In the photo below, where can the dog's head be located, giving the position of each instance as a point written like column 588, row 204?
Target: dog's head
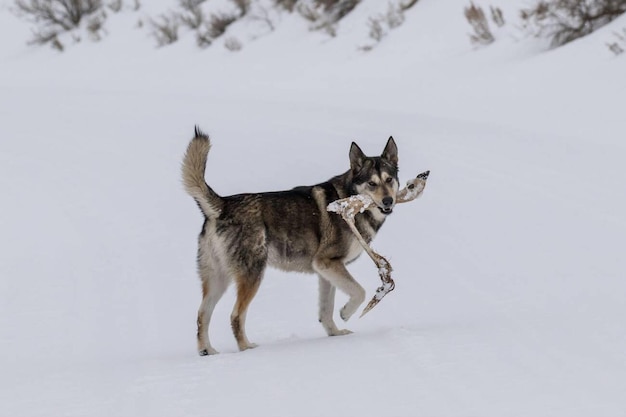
column 376, row 176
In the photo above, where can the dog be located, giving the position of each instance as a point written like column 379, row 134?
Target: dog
column 290, row 230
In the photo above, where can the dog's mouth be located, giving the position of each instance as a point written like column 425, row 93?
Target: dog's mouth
column 386, row 210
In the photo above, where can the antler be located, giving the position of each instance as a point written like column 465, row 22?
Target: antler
column 349, row 207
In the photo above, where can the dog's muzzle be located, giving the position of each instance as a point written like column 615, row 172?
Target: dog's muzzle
column 387, row 207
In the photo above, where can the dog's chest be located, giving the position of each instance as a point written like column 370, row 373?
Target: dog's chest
column 354, row 248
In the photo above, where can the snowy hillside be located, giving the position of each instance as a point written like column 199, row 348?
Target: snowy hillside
column 510, row 270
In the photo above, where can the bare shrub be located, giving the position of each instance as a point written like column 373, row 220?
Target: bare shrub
column 566, row 20
column 408, row 4
column 243, row 6
column 308, row 12
column 56, row 44
column 376, row 29
column 95, row 26
column 190, row 4
column 136, row 5
column 497, row 16
column 218, row 23
column 232, row 44
column 261, row 14
column 288, row 5
column 203, row 36
column 66, row 14
column 53, row 17
column 326, row 13
column 330, row 29
column 394, row 16
column 476, row 17
column 165, row 30
column 335, row 10
column 44, row 38
column 382, row 23
column 192, row 17
column 115, row 5
column 617, row 47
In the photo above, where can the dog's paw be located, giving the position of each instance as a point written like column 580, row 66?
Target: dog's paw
column 207, row 351
column 340, row 332
column 346, row 312
column 248, row 346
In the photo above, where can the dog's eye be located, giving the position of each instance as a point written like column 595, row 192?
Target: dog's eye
column 371, row 184
column 389, row 180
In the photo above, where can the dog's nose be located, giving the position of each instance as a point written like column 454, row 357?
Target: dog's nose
column 387, row 201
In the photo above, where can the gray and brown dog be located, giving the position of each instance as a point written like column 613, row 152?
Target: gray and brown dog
column 290, row 230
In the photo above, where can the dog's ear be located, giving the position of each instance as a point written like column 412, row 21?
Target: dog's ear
column 356, row 157
column 391, row 151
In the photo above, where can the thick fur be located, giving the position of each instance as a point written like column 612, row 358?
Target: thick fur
column 290, row 230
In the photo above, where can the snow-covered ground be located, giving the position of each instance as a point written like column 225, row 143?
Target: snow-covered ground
column 510, row 270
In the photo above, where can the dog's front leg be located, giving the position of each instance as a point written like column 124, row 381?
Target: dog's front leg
column 335, row 272
column 327, row 307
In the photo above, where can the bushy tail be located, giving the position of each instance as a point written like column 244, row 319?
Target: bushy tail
column 194, row 164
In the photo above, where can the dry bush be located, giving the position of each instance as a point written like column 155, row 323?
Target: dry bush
column 243, row 6
column 566, row 20
column 497, row 16
column 115, row 5
column 66, row 14
column 192, row 15
column 618, row 46
column 190, row 4
column 232, row 44
column 408, row 4
column 95, row 26
column 381, row 24
column 203, row 37
column 165, row 31
column 218, row 23
column 55, row 44
column 376, row 29
column 615, row 47
column 288, row 5
column 394, row 16
column 192, row 18
column 325, row 13
column 330, row 29
column 476, row 17
column 261, row 14
column 308, row 12
column 53, row 17
column 335, row 10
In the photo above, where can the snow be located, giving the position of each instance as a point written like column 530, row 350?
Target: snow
column 509, row 270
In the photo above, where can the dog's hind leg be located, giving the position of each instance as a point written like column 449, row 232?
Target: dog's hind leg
column 335, row 272
column 247, row 287
column 327, row 307
column 213, row 288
